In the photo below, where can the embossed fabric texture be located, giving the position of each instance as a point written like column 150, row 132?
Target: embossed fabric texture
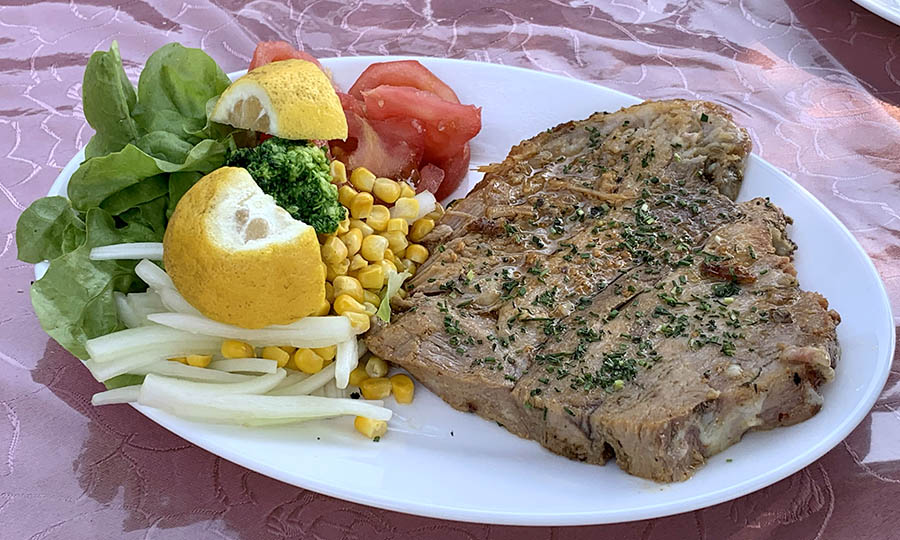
column 817, row 83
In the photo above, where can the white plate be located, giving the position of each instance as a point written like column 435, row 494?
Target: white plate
column 438, row 462
column 886, row 9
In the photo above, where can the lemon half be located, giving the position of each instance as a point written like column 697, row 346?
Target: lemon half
column 292, row 99
column 238, row 257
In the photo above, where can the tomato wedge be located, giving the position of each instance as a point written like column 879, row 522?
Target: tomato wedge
column 402, row 73
column 273, row 51
column 392, row 148
column 430, row 178
column 448, row 126
column 455, row 168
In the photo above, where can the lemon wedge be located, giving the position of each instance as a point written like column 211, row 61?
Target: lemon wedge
column 238, row 257
column 291, row 99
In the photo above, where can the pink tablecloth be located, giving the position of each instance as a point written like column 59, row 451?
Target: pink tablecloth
column 816, row 82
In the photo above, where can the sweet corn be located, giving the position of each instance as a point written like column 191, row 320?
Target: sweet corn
column 277, row 354
column 362, row 179
column 288, row 349
column 386, row 189
column 348, row 285
column 371, row 309
column 357, row 263
column 358, row 375
column 324, row 309
column 373, row 247
column 406, row 190
column 396, row 240
column 307, row 361
column 417, row 253
column 362, row 226
column 398, row 225
column 388, row 266
column 338, row 172
column 420, row 229
column 406, row 208
column 346, row 194
column 371, row 297
column 344, row 225
column 437, row 213
column 379, row 218
column 198, row 360
column 179, row 359
column 389, row 255
column 360, row 322
column 370, row 428
column 232, row 348
column 403, row 388
column 375, row 388
column 333, row 250
column 327, row 353
column 352, row 240
column 376, row 367
column 372, row 276
column 345, row 303
column 361, row 205
column 334, row 270
column 329, row 292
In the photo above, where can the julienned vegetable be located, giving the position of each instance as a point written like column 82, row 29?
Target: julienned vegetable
column 297, row 176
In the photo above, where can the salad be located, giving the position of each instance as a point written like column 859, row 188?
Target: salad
column 225, row 245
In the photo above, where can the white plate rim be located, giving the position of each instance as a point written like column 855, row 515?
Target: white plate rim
column 878, row 7
column 649, row 511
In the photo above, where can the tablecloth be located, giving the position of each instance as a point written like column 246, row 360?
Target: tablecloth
column 816, row 82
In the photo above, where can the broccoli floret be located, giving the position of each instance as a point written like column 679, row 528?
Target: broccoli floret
column 297, row 175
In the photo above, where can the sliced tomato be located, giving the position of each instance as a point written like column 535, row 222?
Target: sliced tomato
column 448, row 126
column 273, row 51
column 430, row 178
column 392, row 148
column 455, row 169
column 402, row 73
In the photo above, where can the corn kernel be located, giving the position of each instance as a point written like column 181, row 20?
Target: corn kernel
column 288, row 349
column 376, row 367
column 421, row 228
column 333, row 250
column 371, row 297
column 399, row 225
column 409, row 266
column 324, row 309
column 198, row 360
column 179, row 359
column 388, row 266
column 352, row 240
column 375, row 388
column 406, row 208
column 437, row 213
column 345, row 303
column 379, row 218
column 403, row 388
column 362, row 179
column 370, row 428
column 348, row 285
column 358, row 375
column 344, row 225
column 361, row 205
column 417, row 253
column 275, row 353
column 334, row 270
column 307, row 361
column 371, row 309
column 357, row 263
column 396, row 240
column 346, row 194
column 406, row 190
column 329, row 292
column 232, row 348
column 386, row 189
column 371, row 277
column 360, row 322
column 327, row 353
column 338, row 172
column 373, row 247
column 362, row 226
column 389, row 255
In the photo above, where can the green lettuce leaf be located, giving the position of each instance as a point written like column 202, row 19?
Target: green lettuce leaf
column 144, row 191
column 47, row 229
column 179, row 183
column 109, row 99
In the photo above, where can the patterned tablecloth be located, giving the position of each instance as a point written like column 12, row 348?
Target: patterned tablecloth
column 817, row 82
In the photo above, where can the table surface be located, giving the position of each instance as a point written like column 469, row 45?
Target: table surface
column 817, row 83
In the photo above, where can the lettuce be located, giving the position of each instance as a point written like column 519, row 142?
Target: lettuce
column 151, row 145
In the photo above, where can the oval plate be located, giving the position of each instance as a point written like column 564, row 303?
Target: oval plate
column 439, row 462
